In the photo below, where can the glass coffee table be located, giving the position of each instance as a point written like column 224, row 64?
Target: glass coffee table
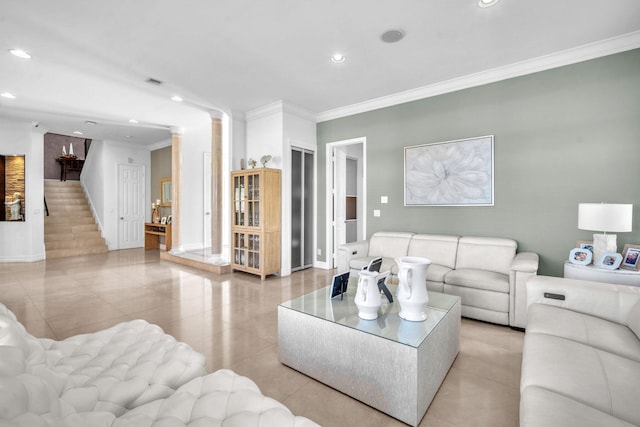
column 391, row 364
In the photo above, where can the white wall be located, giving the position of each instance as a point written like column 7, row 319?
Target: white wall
column 273, row 130
column 238, row 145
column 24, row 241
column 93, row 182
column 195, row 142
column 100, row 179
column 265, row 135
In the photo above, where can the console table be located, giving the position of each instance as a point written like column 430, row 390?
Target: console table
column 152, row 233
column 391, row 364
column 596, row 274
column 69, row 164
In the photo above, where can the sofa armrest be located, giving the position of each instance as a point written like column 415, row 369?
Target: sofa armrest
column 604, row 300
column 523, row 267
column 526, row 262
column 348, row 251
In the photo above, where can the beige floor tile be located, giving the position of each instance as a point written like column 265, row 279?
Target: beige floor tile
column 232, row 320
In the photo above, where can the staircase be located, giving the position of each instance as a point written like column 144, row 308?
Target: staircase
column 70, row 229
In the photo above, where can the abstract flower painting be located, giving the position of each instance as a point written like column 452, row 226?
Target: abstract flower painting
column 452, row 173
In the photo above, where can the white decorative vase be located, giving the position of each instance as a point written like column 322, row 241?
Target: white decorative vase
column 412, row 288
column 368, row 296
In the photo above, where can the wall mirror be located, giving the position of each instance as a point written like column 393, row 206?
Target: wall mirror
column 165, row 191
column 12, row 187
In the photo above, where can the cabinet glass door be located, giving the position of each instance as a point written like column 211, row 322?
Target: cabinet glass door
column 253, row 200
column 238, row 201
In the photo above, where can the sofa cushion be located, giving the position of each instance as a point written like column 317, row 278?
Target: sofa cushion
column 436, row 272
column 481, row 298
column 590, row 330
column 596, row 378
column 486, row 253
column 389, row 244
column 634, row 319
column 440, row 249
column 541, row 407
column 478, row 279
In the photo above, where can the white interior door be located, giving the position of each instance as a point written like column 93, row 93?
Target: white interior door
column 336, row 184
column 131, row 196
column 339, row 199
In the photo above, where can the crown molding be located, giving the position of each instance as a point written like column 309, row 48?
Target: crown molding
column 160, row 144
column 566, row 57
column 279, row 107
column 264, row 111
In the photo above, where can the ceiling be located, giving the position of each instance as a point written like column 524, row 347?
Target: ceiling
column 90, row 60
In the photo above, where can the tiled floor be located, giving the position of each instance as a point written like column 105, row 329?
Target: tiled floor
column 232, row 319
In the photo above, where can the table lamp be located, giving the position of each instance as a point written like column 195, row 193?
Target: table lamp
column 605, row 217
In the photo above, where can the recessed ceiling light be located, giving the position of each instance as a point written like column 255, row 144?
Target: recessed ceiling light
column 487, row 3
column 176, row 98
column 77, row 132
column 392, row 36
column 338, row 58
column 20, row 53
column 133, row 121
column 7, row 95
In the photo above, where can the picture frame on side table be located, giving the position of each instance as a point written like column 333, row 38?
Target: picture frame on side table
column 580, row 256
column 631, row 257
column 585, row 244
column 163, row 220
column 609, row 260
column 169, row 219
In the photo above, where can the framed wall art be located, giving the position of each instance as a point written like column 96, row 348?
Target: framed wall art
column 451, row 173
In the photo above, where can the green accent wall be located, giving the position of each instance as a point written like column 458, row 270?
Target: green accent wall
column 563, row 136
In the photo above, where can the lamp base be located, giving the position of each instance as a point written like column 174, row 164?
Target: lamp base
column 603, row 243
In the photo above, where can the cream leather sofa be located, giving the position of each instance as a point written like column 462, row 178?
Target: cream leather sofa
column 485, row 271
column 581, row 356
column 130, row 375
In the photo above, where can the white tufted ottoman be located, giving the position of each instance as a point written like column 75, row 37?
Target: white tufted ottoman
column 132, row 374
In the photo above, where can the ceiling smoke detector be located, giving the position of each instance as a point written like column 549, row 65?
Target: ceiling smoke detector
column 392, row 36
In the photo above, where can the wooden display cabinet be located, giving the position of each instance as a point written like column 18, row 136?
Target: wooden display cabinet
column 256, row 221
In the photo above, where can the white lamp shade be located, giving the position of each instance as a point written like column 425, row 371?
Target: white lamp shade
column 605, row 217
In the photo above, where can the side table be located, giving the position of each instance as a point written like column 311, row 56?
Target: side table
column 152, row 234
column 596, row 274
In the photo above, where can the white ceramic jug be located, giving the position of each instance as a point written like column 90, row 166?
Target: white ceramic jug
column 367, row 295
column 412, row 288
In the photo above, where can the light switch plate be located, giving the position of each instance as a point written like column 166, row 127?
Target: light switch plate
column 376, row 212
column 384, row 199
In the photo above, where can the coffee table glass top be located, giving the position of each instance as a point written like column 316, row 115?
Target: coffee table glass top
column 388, row 324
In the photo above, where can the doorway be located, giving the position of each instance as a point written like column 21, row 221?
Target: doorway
column 131, row 197
column 302, row 208
column 346, row 162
